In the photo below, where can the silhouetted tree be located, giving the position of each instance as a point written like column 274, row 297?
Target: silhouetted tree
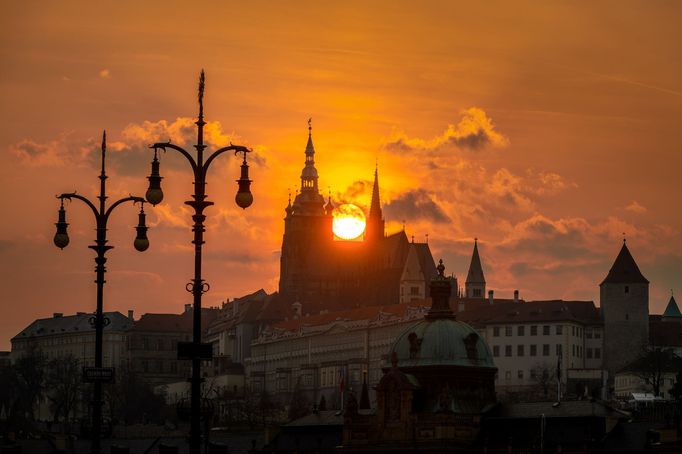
column 300, row 404
column 29, row 382
column 132, row 400
column 64, row 384
column 653, row 365
column 544, row 376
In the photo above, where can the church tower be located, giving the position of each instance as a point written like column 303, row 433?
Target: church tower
column 475, row 283
column 624, row 304
column 307, row 230
column 375, row 221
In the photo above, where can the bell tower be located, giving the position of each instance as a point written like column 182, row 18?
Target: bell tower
column 307, row 231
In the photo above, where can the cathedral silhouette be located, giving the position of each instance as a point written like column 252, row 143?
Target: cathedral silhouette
column 320, row 272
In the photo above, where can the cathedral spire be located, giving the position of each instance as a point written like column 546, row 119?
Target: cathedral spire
column 375, row 221
column 309, row 173
column 475, row 283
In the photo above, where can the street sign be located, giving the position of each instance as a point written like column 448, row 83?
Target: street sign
column 190, row 350
column 98, row 374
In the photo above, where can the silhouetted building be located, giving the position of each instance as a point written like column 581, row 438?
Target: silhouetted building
column 322, row 273
column 74, row 335
column 153, row 345
column 440, row 383
column 475, row 283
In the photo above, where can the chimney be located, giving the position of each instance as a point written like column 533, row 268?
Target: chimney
column 235, row 307
column 298, row 309
column 516, row 296
column 490, row 296
column 188, row 307
column 57, row 315
column 130, row 315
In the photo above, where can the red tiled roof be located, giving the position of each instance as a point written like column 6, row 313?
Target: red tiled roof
column 531, row 311
column 173, row 322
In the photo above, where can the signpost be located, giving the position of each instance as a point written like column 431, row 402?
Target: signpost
column 98, row 374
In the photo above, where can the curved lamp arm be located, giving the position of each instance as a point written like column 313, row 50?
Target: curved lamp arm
column 73, row 195
column 164, row 145
column 236, row 148
column 123, row 200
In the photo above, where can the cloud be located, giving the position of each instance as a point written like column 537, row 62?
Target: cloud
column 354, row 191
column 414, row 205
column 61, row 151
column 636, row 208
column 474, row 131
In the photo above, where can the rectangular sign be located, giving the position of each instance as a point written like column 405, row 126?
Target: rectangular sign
column 190, row 350
column 98, row 374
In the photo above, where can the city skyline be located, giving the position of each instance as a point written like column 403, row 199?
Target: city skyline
column 547, row 137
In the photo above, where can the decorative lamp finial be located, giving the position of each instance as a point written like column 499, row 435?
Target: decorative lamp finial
column 441, row 269
column 310, row 126
column 202, row 83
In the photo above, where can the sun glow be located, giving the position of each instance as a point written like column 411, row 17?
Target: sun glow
column 349, row 221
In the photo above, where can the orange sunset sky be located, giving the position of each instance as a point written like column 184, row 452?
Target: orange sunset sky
column 545, row 129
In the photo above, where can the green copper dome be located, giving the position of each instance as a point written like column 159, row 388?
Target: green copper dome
column 441, row 342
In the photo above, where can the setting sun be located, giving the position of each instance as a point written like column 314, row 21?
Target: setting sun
column 349, row 221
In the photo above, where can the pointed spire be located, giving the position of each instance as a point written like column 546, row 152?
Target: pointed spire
column 375, row 221
column 672, row 310
column 309, row 173
column 329, row 207
column 475, row 275
column 625, row 269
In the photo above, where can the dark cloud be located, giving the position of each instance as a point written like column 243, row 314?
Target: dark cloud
column 414, row 205
column 355, row 190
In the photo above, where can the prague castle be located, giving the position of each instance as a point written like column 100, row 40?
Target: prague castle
column 321, row 272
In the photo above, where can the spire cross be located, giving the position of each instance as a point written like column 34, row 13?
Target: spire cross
column 310, row 125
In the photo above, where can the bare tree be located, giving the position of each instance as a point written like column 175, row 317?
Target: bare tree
column 63, row 386
column 653, row 365
column 544, row 375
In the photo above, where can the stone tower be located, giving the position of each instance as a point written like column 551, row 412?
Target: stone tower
column 475, row 283
column 624, row 302
column 307, row 231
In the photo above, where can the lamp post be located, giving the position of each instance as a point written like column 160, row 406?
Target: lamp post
column 195, row 350
column 98, row 374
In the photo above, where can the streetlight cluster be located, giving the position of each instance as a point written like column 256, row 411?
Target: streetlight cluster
column 195, row 350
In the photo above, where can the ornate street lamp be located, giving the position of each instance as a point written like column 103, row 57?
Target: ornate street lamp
column 98, row 374
column 195, row 350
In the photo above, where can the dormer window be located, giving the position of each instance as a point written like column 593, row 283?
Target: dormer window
column 477, row 292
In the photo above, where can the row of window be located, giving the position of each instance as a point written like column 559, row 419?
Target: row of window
column 546, row 331
column 533, row 351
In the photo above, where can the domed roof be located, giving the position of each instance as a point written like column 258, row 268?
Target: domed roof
column 441, row 342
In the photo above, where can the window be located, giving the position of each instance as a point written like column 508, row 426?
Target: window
column 574, row 350
column 589, row 353
column 627, row 316
column 477, row 292
column 597, row 353
column 533, row 350
column 627, row 289
column 508, row 331
column 588, row 333
column 573, row 330
column 558, row 349
column 496, row 350
column 559, row 329
column 507, row 375
column 520, row 331
column 597, row 334
column 414, row 290
column 507, row 350
column 519, row 350
column 545, row 330
column 496, row 331
column 533, row 374
column 545, row 349
column 520, row 374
